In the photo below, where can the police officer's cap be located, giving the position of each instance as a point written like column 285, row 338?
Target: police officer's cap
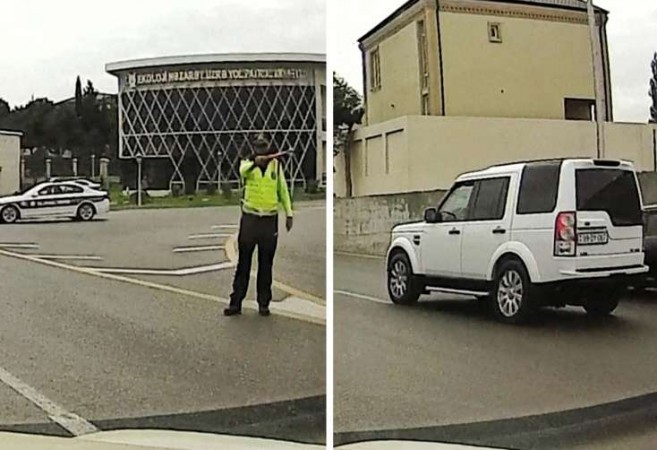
column 261, row 142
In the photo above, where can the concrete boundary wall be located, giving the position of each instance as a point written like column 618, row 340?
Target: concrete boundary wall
column 426, row 153
column 362, row 225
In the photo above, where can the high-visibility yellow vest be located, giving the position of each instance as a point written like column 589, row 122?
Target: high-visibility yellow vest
column 263, row 192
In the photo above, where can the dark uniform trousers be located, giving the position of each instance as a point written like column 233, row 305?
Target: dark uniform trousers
column 262, row 232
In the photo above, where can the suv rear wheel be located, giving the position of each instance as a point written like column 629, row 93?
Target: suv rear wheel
column 403, row 286
column 511, row 295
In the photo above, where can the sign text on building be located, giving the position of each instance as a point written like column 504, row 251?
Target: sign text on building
column 181, row 76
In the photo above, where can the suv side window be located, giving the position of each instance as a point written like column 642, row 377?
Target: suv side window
column 539, row 187
column 490, row 199
column 455, row 207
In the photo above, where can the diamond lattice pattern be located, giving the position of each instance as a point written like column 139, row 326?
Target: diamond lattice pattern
column 214, row 126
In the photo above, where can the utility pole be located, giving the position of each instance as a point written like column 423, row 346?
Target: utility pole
column 598, row 80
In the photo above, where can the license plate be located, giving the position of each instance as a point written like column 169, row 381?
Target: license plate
column 593, row 238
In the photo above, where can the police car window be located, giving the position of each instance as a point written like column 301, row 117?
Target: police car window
column 46, row 191
column 70, row 189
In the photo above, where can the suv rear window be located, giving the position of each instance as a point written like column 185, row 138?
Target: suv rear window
column 539, row 187
column 611, row 190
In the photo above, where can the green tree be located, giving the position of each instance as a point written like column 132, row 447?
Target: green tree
column 78, row 96
column 4, row 109
column 653, row 90
column 347, row 113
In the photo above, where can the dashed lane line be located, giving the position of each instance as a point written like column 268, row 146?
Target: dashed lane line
column 75, row 424
column 201, row 248
column 155, row 286
column 224, row 227
column 208, row 236
column 19, row 245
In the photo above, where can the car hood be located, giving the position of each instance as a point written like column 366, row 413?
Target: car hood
column 184, row 440
column 146, row 440
column 411, row 227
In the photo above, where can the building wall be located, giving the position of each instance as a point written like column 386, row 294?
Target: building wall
column 420, row 153
column 529, row 74
column 544, row 58
column 399, row 94
column 9, row 163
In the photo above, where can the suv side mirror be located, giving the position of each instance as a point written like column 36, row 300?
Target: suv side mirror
column 431, row 215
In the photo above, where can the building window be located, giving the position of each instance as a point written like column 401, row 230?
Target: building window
column 375, row 70
column 494, row 32
column 423, row 66
column 425, row 104
column 579, row 109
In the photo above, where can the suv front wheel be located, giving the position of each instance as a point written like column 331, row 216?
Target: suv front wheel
column 511, row 293
column 403, row 286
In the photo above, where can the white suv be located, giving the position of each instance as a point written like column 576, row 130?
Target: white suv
column 521, row 236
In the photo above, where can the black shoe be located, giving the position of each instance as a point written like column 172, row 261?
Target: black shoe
column 230, row 311
column 264, row 311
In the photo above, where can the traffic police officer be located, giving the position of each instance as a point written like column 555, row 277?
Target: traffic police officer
column 265, row 189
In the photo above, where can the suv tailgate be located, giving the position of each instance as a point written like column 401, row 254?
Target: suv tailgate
column 609, row 215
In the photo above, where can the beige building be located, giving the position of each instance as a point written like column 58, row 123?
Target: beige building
column 484, row 58
column 10, row 160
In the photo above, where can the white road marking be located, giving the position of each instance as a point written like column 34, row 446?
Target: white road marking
column 19, row 245
column 359, row 255
column 70, row 421
column 70, row 257
column 204, row 248
column 151, row 285
column 224, row 227
column 230, row 248
column 296, row 305
column 361, row 296
column 208, row 236
column 165, row 272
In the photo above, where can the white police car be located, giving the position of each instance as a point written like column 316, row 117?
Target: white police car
column 49, row 200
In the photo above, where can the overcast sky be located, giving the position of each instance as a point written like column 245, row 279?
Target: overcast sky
column 45, row 44
column 632, row 34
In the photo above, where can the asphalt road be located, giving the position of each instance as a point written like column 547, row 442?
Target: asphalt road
column 123, row 355
column 147, row 240
column 444, row 370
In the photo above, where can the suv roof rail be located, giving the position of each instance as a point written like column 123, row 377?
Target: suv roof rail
column 532, row 161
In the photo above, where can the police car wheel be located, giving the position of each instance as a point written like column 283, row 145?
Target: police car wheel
column 86, row 212
column 9, row 214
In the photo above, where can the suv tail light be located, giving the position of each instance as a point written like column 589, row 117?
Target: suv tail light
column 565, row 234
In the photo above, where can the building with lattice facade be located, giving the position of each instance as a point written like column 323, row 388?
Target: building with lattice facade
column 191, row 118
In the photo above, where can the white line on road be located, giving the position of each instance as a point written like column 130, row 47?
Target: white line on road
column 208, row 236
column 70, row 421
column 300, row 306
column 224, row 227
column 203, row 248
column 151, row 285
column 361, row 296
column 19, row 245
column 70, row 257
column 165, row 272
